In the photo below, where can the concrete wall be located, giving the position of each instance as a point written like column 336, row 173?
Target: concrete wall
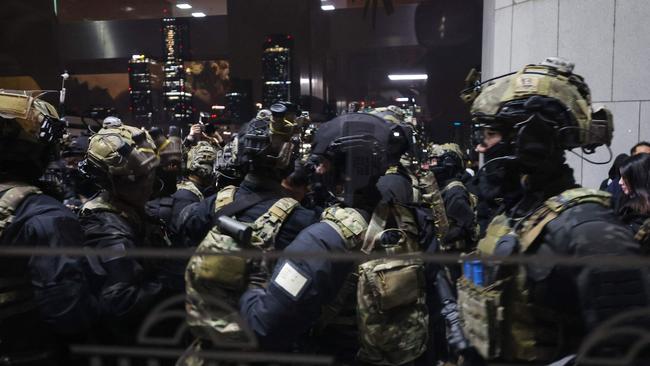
column 607, row 39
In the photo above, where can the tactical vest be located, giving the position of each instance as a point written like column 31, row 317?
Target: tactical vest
column 473, row 202
column 432, row 197
column 392, row 318
column 499, row 318
column 16, row 296
column 214, row 283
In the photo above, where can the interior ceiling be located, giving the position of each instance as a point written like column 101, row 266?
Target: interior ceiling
column 79, row 10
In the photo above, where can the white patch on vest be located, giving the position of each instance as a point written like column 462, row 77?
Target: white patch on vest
column 290, row 280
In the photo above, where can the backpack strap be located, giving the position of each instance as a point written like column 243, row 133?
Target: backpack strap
column 190, row 186
column 14, row 195
column 348, row 223
column 268, row 226
column 533, row 226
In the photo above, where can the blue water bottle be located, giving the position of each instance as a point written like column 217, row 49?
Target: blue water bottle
column 467, row 270
column 477, row 273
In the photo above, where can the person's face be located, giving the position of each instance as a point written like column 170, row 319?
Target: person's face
column 642, row 150
column 624, row 186
column 490, row 138
column 323, row 167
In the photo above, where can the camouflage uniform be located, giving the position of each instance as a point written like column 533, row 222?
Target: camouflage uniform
column 541, row 312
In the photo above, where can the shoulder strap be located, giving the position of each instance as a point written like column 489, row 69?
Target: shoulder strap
column 268, row 226
column 225, row 197
column 190, row 186
column 235, row 206
column 577, row 196
column 12, row 198
column 454, row 184
column 375, row 227
column 533, row 226
column 98, row 203
column 347, row 222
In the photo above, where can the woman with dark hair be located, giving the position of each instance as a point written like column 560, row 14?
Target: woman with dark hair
column 635, row 183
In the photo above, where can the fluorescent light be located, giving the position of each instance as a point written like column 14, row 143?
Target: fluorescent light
column 407, row 77
column 327, row 7
column 402, row 99
column 198, row 15
column 218, row 107
column 304, row 80
column 184, row 6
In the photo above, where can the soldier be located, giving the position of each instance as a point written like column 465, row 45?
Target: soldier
column 197, row 184
column 43, row 298
column 170, row 168
column 316, row 296
column 398, row 183
column 261, row 207
column 262, row 174
column 496, row 184
column 122, row 160
column 548, row 309
column 448, row 167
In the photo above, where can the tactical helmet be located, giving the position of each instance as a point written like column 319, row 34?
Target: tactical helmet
column 355, row 144
column 30, row 131
column 111, row 121
column 449, row 161
column 263, row 114
column 121, row 151
column 267, row 146
column 200, row 160
column 390, row 113
column 169, row 148
column 550, row 92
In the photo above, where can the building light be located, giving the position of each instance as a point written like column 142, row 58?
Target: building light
column 396, row 77
column 402, row 99
column 198, row 14
column 328, row 7
column 184, row 6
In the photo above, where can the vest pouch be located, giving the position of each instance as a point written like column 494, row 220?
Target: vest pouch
column 482, row 311
column 391, row 311
column 395, row 283
column 214, row 270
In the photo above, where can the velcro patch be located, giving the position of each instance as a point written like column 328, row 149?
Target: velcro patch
column 291, row 280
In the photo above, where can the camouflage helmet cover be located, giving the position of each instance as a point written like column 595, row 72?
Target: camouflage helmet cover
column 448, row 148
column 27, row 111
column 552, row 79
column 201, row 158
column 123, row 151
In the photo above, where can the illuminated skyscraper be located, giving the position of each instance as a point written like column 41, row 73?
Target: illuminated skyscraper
column 276, row 69
column 140, row 90
column 177, row 102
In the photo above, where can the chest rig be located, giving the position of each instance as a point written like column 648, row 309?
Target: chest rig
column 499, row 315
